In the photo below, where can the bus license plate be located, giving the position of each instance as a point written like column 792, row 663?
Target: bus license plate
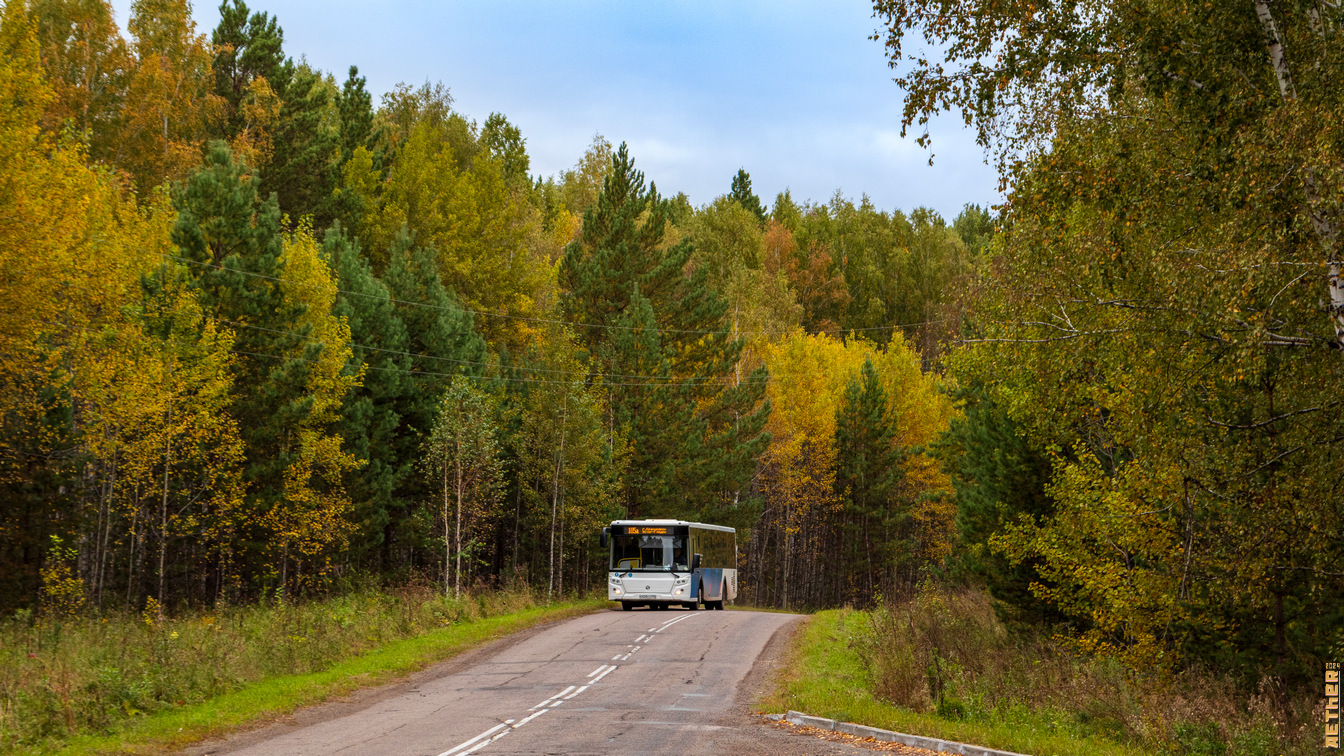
column 648, row 595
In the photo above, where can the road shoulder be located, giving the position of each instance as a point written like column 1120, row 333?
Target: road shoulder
column 267, row 728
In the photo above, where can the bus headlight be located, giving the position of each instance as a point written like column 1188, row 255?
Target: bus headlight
column 616, row 590
column 679, row 590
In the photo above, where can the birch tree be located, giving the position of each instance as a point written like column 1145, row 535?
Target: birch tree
column 1162, row 309
column 462, row 456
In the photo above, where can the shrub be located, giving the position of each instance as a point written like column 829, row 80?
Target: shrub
column 947, row 652
column 90, row 672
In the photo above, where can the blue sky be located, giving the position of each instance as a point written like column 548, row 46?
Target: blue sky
column 792, row 91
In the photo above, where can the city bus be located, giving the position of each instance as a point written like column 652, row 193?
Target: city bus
column 666, row 563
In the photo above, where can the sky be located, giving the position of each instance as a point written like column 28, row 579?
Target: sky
column 794, row 92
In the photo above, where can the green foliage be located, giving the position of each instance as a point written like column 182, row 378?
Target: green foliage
column 564, row 466
column 741, row 194
column 232, row 240
column 304, row 165
column 462, row 456
column 1164, row 315
column 440, row 342
column 503, row 141
column 1000, row 477
column 246, row 47
column 868, row 466
column 841, row 657
column 188, row 675
column 371, row 422
column 660, row 340
column 355, row 105
column 975, row 226
column 730, row 248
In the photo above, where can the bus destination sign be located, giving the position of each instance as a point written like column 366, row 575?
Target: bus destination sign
column 645, row 530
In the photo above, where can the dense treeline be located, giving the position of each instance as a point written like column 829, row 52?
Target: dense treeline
column 1151, row 447
column 262, row 337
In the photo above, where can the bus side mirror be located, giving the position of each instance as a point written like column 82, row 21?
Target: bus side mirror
column 606, row 532
column 695, row 562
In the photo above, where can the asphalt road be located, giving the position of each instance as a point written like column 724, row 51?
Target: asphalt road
column 642, row 682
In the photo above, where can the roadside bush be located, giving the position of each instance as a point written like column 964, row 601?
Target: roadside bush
column 88, row 673
column 946, row 652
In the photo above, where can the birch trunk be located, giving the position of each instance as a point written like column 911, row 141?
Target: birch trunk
column 163, row 505
column 1327, row 232
column 447, row 541
column 457, row 540
column 555, row 496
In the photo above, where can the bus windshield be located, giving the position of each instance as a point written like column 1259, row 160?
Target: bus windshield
column 649, row 553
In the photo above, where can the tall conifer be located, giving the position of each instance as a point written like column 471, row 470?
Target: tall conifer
column 741, row 194
column 232, row 239
column 304, row 165
column 440, row 341
column 371, row 422
column 357, row 122
column 695, row 438
column 868, row 467
column 247, row 45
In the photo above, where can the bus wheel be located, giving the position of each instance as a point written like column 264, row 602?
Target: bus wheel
column 692, row 605
column 626, row 606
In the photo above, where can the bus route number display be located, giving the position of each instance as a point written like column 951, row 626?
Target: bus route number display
column 1332, row 705
column 645, row 531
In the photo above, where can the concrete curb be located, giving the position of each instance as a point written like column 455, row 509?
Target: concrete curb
column 887, row 736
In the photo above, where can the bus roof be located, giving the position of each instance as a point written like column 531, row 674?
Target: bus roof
column 615, row 523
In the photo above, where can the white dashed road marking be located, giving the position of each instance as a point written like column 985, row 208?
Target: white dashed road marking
column 509, row 725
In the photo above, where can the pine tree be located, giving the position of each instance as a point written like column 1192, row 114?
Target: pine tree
column 357, row 122
column 440, row 342
column 232, row 242
column 246, row 47
column 1000, row 476
column 371, row 423
column 868, row 466
column 695, row 439
column 741, row 194
column 653, row 412
column 304, row 170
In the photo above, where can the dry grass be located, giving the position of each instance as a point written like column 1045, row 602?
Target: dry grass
column 946, row 652
column 92, row 674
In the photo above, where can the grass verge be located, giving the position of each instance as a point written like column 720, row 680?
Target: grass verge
column 826, row 676
column 346, row 667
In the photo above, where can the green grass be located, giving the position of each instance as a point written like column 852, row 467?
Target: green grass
column 826, row 676
column 339, row 669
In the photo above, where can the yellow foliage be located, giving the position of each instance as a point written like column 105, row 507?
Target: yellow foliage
column 311, row 523
column 169, row 103
column 809, row 373
column 62, row 590
column 261, row 114
column 309, row 280
column 492, row 254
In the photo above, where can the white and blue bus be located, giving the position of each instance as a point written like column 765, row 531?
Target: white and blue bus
column 663, row 563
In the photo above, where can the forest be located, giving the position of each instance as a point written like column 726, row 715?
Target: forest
column 264, row 339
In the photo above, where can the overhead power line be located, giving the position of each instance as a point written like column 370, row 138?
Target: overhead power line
column 653, row 381
column 544, row 321
column 484, row 363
